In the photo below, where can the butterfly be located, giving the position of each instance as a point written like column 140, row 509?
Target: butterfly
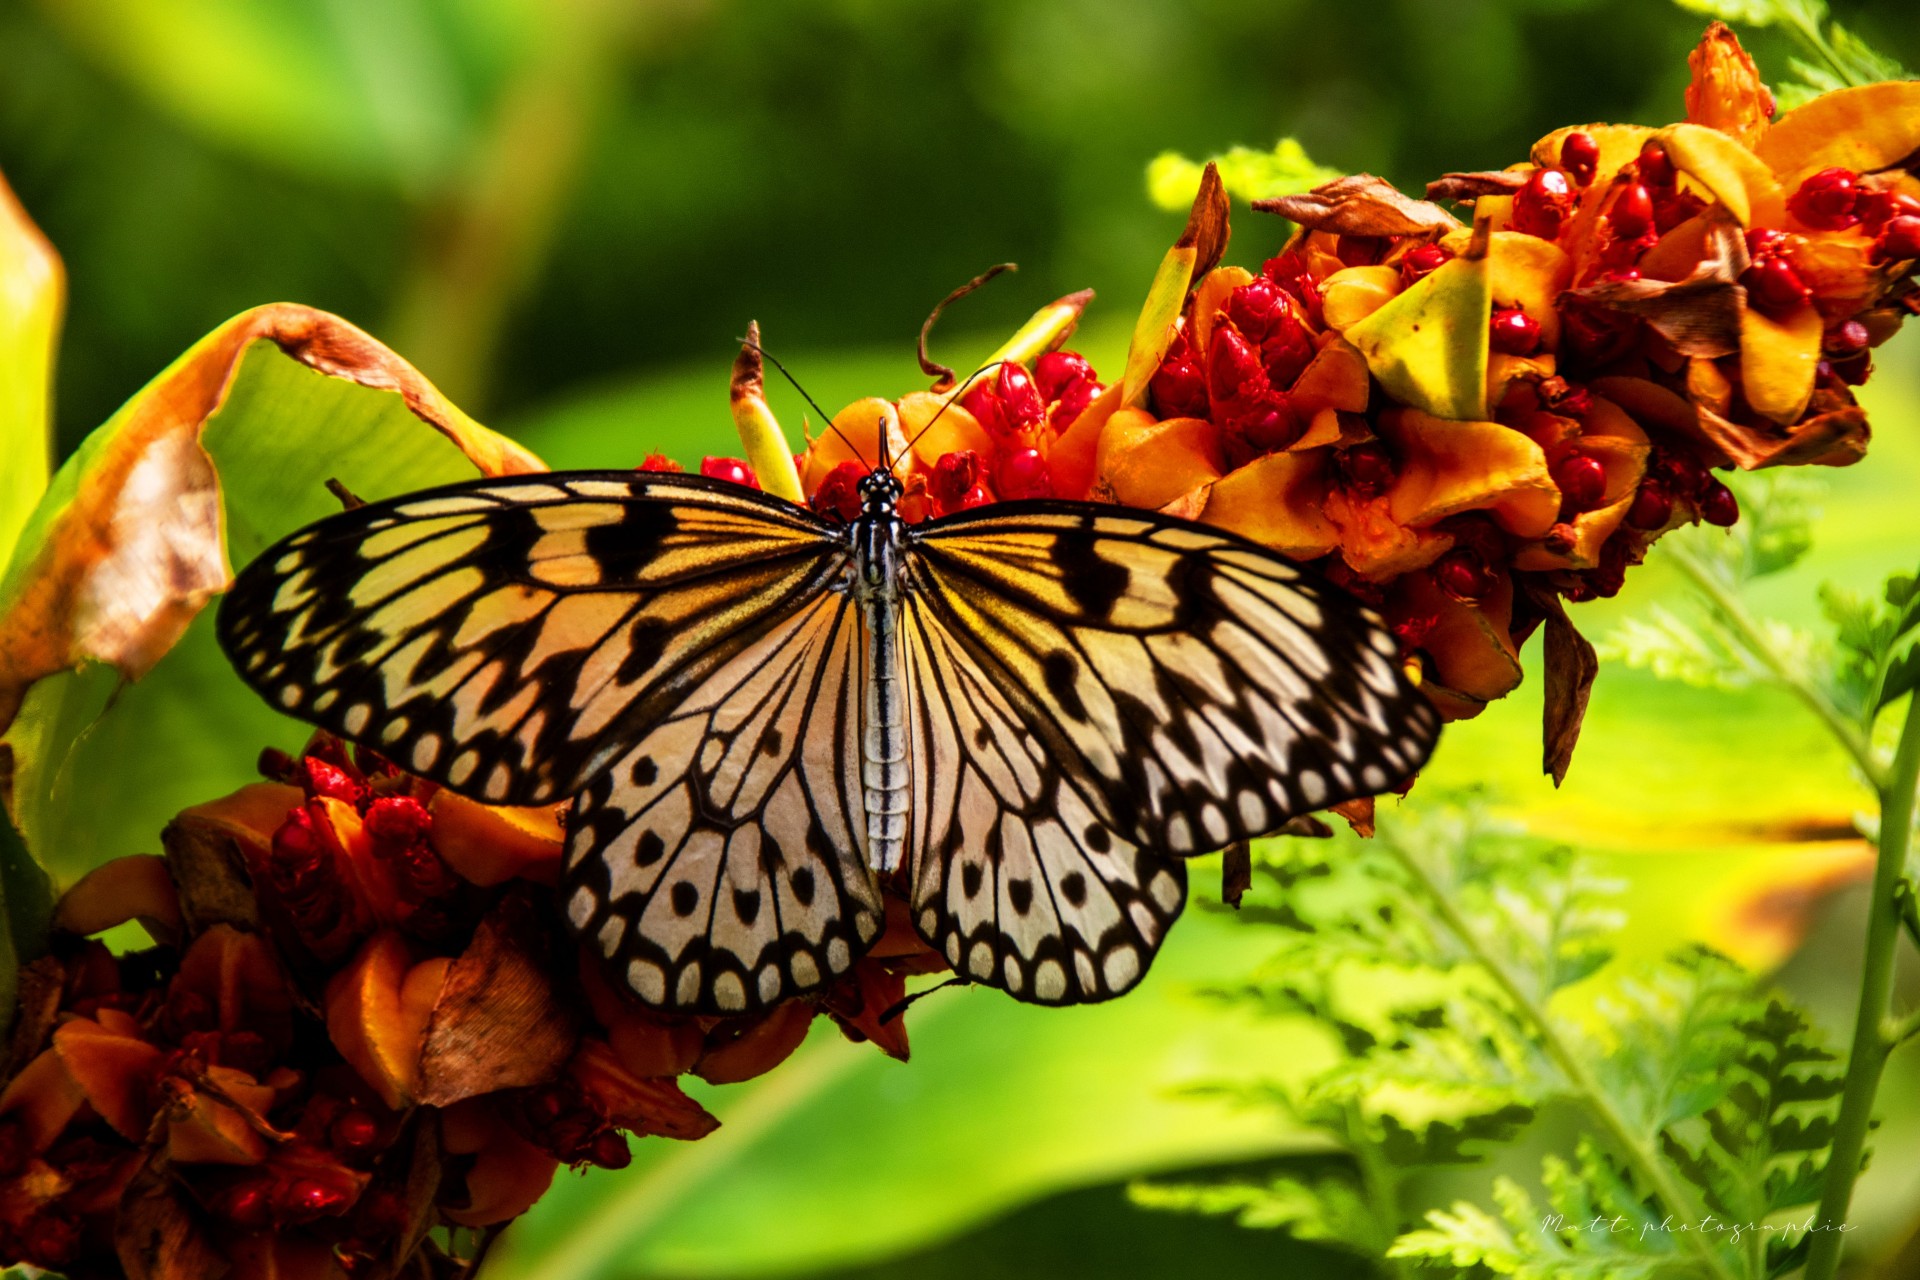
column 1025, row 715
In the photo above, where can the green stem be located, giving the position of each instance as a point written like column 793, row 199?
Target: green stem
column 1744, row 625
column 1871, row 1042
column 1638, row 1152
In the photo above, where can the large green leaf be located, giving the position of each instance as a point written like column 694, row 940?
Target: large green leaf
column 223, row 453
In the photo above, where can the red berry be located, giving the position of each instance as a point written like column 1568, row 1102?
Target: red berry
column 1877, row 208
column 1845, row 341
column 305, row 1198
column 1514, row 332
column 1632, row 214
column 1543, row 203
column 1582, row 481
column 1826, row 200
column 658, row 462
column 1234, row 371
column 1367, row 467
column 1652, row 507
column 732, row 470
column 397, row 820
column 1580, row 157
column 353, row 1131
column 1420, row 262
column 1718, row 505
column 331, row 781
column 1252, row 307
column 1775, row 288
column 1073, row 402
column 838, row 497
column 955, row 482
column 1287, row 351
column 1764, row 242
column 1289, row 270
column 1656, row 166
column 1022, row 473
column 248, row 1205
column 1055, row 371
column 1684, row 474
column 1463, row 574
column 1178, row 389
column 1267, row 424
column 983, row 402
column 1020, row 404
column 1899, row 241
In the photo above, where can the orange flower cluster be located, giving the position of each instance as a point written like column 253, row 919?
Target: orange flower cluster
column 1469, row 424
column 361, row 1028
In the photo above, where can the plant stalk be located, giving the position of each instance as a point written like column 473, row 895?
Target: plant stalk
column 1638, row 1152
column 1735, row 614
column 1871, row 1041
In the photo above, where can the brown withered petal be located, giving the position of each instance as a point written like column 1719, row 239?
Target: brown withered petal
column 498, row 1023
column 654, row 1107
column 1834, row 439
column 210, row 846
column 1460, row 188
column 1207, row 229
column 1571, row 666
column 506, row 1174
column 860, row 1002
column 1361, row 205
column 157, row 1232
column 1699, row 316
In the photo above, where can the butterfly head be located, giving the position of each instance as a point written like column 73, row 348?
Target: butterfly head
column 879, row 492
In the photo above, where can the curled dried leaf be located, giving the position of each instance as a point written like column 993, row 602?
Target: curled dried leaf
column 1361, row 205
column 1464, row 188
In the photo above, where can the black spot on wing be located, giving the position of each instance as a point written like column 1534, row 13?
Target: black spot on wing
column 746, row 905
column 1093, row 582
column 803, row 886
column 624, row 547
column 1020, row 894
column 1061, row 672
column 686, row 898
column 648, row 640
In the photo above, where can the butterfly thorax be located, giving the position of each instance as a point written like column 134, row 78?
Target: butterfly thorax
column 879, row 537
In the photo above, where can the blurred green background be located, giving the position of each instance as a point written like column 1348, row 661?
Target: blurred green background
column 565, row 211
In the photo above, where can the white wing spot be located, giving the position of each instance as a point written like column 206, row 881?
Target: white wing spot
column 1121, row 968
column 805, row 972
column 355, row 721
column 769, row 984
column 580, row 907
column 687, row 990
column 610, row 933
column 1375, row 777
column 1015, row 979
column 839, row 959
column 648, row 980
column 1166, row 891
column 290, row 696
column 462, row 767
column 980, row 960
column 1049, row 980
column 729, row 992
column 1312, row 786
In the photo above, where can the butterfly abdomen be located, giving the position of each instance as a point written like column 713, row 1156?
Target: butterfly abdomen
column 884, row 772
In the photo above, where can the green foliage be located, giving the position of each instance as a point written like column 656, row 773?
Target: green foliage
column 1836, row 57
column 1463, row 972
column 1173, row 179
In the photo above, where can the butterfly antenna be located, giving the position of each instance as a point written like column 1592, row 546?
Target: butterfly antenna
column 824, row 415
